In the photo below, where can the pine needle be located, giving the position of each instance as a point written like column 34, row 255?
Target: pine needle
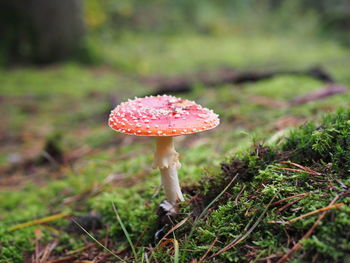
column 323, row 209
column 207, row 252
column 298, row 245
column 40, row 221
column 317, row 211
column 183, row 221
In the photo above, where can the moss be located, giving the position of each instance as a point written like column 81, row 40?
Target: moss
column 140, row 231
column 325, row 144
column 74, row 100
column 12, row 246
column 262, row 179
column 284, row 87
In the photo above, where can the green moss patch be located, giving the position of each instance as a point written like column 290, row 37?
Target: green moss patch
column 273, row 187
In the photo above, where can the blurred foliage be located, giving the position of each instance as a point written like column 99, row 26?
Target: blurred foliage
column 218, row 17
column 108, row 20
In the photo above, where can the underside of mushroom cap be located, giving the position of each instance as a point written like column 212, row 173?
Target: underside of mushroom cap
column 161, row 116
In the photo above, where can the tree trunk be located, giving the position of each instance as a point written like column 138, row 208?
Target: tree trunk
column 40, row 31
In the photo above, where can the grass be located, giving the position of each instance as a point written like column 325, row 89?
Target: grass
column 99, row 243
column 126, row 233
column 100, row 167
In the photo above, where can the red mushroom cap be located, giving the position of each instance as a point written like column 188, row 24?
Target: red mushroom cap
column 161, row 116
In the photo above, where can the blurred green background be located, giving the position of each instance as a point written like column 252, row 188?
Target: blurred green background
column 47, row 31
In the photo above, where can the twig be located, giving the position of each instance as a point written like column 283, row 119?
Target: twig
column 72, row 252
column 165, row 242
column 316, row 212
column 323, row 209
column 297, row 246
column 328, row 90
column 60, row 260
column 48, row 250
column 296, row 170
column 288, row 198
column 305, row 168
column 210, row 248
column 183, row 221
column 265, row 259
column 239, row 194
column 289, row 204
column 226, row 75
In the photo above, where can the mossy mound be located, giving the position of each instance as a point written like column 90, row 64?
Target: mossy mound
column 250, row 222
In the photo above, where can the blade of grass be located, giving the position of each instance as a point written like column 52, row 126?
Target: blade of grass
column 146, row 257
column 176, row 251
column 143, row 255
column 152, row 256
column 99, row 243
column 176, row 248
column 126, row 233
column 202, row 215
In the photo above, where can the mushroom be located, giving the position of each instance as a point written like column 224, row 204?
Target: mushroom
column 163, row 117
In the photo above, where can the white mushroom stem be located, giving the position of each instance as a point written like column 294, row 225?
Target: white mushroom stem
column 167, row 160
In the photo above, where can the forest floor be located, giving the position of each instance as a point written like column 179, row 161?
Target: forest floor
column 60, row 163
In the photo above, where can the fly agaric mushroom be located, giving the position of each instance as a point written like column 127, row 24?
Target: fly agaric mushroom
column 163, row 117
